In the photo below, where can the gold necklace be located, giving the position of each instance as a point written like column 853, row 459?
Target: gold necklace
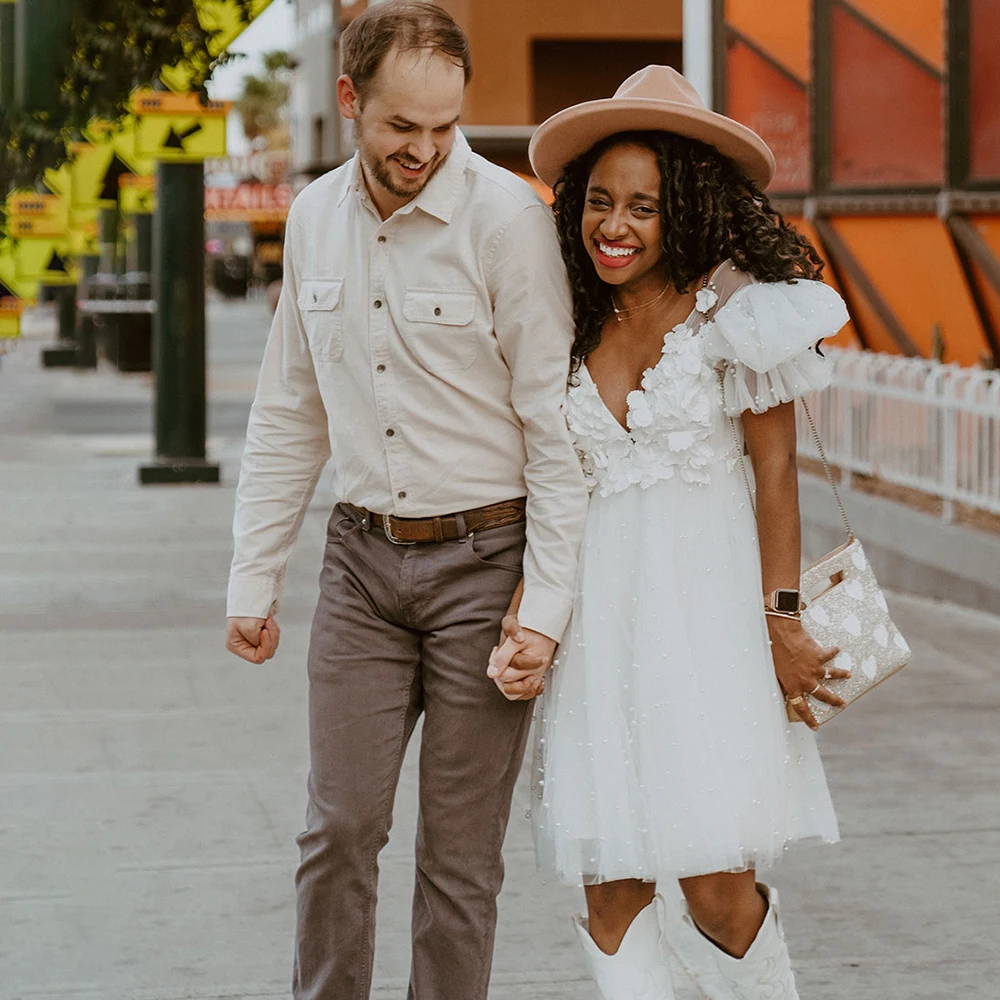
column 621, row 314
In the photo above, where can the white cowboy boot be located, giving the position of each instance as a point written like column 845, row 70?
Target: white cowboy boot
column 763, row 973
column 638, row 970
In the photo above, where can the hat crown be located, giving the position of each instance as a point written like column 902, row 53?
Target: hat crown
column 659, row 83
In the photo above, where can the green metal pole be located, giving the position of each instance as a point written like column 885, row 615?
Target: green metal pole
column 179, row 328
column 64, row 354
column 66, row 309
column 42, row 52
column 86, row 339
column 7, row 49
column 108, row 239
column 143, row 242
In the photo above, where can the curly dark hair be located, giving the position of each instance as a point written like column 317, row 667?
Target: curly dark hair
column 711, row 211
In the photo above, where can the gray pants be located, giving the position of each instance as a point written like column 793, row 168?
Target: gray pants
column 401, row 630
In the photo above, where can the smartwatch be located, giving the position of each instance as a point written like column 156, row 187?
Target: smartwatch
column 784, row 601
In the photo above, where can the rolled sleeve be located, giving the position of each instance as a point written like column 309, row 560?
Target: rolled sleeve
column 534, row 328
column 287, row 446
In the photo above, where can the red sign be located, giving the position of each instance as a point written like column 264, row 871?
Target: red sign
column 248, row 203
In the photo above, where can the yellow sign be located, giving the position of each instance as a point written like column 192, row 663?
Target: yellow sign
column 10, row 282
column 45, row 260
column 157, row 102
column 137, row 195
column 31, row 214
column 99, row 163
column 57, row 181
column 29, row 203
column 21, row 226
column 84, row 232
column 10, row 316
column 222, row 19
column 185, row 138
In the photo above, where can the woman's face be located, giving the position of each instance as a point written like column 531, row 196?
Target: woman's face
column 621, row 214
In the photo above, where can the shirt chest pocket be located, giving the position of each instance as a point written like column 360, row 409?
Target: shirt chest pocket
column 320, row 303
column 437, row 328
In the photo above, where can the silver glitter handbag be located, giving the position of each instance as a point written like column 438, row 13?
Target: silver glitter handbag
column 845, row 606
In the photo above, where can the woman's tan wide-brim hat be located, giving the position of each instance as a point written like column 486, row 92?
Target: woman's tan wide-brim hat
column 657, row 99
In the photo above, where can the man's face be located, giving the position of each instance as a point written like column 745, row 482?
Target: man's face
column 405, row 123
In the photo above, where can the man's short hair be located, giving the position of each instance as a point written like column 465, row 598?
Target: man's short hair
column 406, row 24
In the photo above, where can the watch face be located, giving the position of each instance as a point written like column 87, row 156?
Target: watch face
column 786, row 601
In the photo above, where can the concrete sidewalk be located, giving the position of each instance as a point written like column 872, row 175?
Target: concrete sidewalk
column 151, row 785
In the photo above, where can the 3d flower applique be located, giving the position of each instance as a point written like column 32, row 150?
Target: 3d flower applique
column 705, row 299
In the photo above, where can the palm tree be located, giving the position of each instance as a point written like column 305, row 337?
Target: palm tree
column 262, row 105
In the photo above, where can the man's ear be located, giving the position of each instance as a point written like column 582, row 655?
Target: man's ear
column 348, row 100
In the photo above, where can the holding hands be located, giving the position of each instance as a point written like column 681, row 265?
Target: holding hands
column 517, row 666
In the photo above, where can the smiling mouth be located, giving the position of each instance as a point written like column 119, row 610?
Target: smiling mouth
column 412, row 170
column 611, row 256
column 616, row 251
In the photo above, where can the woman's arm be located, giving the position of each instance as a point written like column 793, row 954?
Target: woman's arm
column 799, row 661
column 515, row 601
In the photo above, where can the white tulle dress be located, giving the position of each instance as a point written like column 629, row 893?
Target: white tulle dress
column 662, row 749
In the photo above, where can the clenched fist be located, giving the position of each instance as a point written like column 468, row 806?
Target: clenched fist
column 252, row 639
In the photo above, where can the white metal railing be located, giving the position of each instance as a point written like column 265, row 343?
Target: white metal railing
column 921, row 424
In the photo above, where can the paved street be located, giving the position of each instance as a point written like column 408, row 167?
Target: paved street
column 151, row 785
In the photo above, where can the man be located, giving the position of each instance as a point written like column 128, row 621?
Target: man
column 423, row 336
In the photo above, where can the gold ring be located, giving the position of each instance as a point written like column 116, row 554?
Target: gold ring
column 797, row 700
column 815, row 689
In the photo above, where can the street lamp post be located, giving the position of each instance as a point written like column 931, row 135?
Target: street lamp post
column 179, row 328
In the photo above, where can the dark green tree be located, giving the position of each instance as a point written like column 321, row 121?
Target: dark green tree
column 116, row 46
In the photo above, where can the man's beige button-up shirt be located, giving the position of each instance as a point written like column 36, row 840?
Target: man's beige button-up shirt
column 429, row 353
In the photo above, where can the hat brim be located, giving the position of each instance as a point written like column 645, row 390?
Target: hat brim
column 570, row 133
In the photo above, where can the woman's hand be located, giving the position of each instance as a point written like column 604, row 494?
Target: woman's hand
column 517, row 665
column 802, row 665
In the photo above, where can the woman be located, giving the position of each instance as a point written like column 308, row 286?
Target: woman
column 665, row 745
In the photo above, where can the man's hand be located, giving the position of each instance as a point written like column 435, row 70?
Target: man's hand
column 518, row 665
column 252, row 639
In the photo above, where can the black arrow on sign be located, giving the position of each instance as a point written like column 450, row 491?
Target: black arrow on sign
column 56, row 263
column 175, row 139
column 109, row 185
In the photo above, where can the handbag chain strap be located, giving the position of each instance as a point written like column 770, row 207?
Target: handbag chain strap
column 816, row 438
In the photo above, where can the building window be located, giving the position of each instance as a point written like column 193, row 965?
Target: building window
column 568, row 71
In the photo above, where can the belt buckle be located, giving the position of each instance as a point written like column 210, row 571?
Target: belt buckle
column 388, row 532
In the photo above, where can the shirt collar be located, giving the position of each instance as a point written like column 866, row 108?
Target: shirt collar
column 442, row 193
column 355, row 179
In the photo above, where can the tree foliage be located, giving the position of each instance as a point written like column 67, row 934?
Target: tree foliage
column 116, row 46
column 262, row 104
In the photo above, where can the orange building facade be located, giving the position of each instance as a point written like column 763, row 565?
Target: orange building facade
column 884, row 117
column 532, row 58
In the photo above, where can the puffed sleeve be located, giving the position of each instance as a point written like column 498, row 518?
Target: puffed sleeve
column 764, row 339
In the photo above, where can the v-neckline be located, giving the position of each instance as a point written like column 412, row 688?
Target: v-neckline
column 684, row 324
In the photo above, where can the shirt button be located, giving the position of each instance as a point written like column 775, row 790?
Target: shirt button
column 380, row 368
column 381, row 239
column 378, row 303
column 389, row 432
column 437, row 310
column 401, row 494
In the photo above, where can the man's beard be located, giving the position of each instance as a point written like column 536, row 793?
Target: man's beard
column 379, row 169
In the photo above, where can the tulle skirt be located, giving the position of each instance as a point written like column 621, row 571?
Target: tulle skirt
column 662, row 746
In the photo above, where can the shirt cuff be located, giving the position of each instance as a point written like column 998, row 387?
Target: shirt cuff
column 252, row 597
column 545, row 611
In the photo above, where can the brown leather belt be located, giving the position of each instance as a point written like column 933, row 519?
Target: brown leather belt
column 448, row 527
